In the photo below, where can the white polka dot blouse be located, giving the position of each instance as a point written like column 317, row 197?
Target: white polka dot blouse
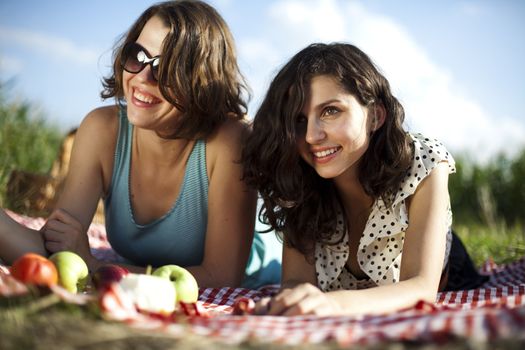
column 381, row 243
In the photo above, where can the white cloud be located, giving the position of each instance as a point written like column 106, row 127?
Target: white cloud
column 222, row 3
column 320, row 18
column 56, row 48
column 254, row 55
column 471, row 8
column 433, row 99
column 10, row 66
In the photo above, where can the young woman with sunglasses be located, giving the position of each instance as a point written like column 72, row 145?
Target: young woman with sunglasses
column 362, row 204
column 165, row 158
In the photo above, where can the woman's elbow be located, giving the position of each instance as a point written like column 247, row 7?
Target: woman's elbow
column 220, row 276
column 427, row 290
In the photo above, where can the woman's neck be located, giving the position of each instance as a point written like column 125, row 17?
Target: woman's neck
column 149, row 147
column 352, row 194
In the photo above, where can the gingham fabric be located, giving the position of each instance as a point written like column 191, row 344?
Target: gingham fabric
column 496, row 311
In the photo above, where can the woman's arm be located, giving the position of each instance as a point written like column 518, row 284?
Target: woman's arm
column 421, row 265
column 89, row 171
column 298, row 274
column 231, row 211
column 16, row 240
column 296, row 269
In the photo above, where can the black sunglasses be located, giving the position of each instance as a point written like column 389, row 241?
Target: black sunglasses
column 135, row 58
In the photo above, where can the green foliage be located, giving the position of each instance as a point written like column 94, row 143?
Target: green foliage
column 491, row 194
column 27, row 141
column 488, row 206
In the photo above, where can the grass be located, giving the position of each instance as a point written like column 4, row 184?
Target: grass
column 63, row 326
column 27, row 141
column 501, row 243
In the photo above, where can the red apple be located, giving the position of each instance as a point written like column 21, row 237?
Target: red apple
column 243, row 306
column 107, row 274
column 34, row 269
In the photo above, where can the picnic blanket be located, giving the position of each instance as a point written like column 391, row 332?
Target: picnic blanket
column 493, row 312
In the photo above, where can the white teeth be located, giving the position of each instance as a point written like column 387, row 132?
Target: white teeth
column 325, row 152
column 143, row 98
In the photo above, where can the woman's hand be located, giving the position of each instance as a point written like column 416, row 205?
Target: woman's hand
column 62, row 231
column 304, row 299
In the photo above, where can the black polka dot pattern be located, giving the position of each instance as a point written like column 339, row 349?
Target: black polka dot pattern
column 381, row 243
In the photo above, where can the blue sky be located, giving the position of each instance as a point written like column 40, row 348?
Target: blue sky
column 457, row 66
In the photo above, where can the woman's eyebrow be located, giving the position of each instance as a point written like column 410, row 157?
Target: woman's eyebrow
column 328, row 102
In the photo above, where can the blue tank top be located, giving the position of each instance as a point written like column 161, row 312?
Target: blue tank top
column 177, row 237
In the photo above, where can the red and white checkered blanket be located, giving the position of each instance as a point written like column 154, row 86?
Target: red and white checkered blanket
column 496, row 311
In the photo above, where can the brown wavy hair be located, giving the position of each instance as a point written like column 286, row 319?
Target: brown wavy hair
column 198, row 70
column 297, row 202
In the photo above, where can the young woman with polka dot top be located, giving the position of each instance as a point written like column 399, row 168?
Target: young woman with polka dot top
column 361, row 204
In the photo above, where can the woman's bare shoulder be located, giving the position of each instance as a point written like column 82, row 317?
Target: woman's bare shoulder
column 102, row 120
column 98, row 131
column 96, row 139
column 224, row 146
column 100, row 126
column 229, row 135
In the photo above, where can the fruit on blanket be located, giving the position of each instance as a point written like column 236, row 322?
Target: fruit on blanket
column 34, row 269
column 150, row 293
column 72, row 270
column 183, row 281
column 107, row 274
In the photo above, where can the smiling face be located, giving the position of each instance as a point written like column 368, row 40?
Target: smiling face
column 333, row 129
column 146, row 106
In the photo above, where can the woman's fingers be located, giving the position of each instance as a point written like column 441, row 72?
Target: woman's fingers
column 305, row 299
column 62, row 232
column 56, row 226
column 58, row 240
column 53, row 247
column 312, row 304
column 262, row 306
column 282, row 302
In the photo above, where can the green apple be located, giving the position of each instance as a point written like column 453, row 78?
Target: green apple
column 72, row 270
column 150, row 293
column 184, row 282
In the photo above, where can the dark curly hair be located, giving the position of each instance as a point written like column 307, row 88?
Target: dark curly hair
column 297, row 202
column 198, row 70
